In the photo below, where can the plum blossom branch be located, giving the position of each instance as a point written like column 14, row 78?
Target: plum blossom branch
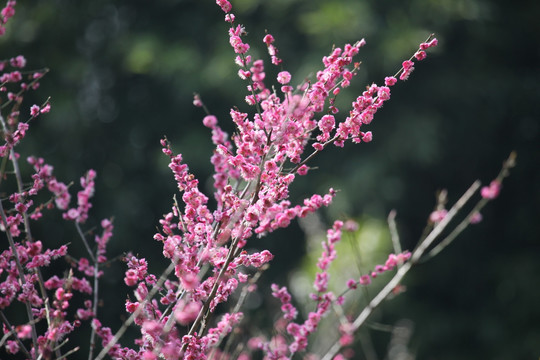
column 21, row 276
column 114, row 340
column 474, row 215
column 12, row 332
column 404, row 269
column 204, row 247
column 418, row 253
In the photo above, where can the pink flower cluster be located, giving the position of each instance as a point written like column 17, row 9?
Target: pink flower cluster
column 254, row 169
column 438, row 215
column 29, row 257
column 492, row 191
column 49, row 300
column 7, row 12
column 206, row 249
column 80, row 214
column 390, row 264
column 15, row 85
column 324, row 298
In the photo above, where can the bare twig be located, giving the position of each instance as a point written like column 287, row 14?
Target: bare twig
column 404, row 269
column 83, row 238
column 393, row 232
column 507, row 165
column 418, row 253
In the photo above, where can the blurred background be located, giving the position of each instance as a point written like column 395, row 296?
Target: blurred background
column 123, row 74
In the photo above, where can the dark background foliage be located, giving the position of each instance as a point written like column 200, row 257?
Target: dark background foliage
column 123, row 74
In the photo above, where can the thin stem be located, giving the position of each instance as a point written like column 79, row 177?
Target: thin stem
column 444, row 223
column 12, row 332
column 457, row 230
column 359, row 262
column 238, row 305
column 26, row 220
column 404, row 269
column 137, row 312
column 337, row 137
column 27, row 229
column 94, row 310
column 171, row 320
column 430, row 37
column 72, row 351
column 20, row 271
column 95, row 288
column 315, row 152
column 393, row 232
column 30, row 84
column 83, row 238
column 507, row 165
column 205, row 109
column 203, row 311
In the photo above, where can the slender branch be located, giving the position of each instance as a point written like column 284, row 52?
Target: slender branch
column 60, row 345
column 507, row 165
column 359, row 263
column 20, row 270
column 404, row 269
column 457, row 230
column 393, row 232
column 312, row 155
column 12, row 332
column 72, row 351
column 95, row 287
column 83, row 238
column 94, row 310
column 30, row 84
column 206, row 306
column 417, row 254
column 27, row 228
column 26, row 220
column 137, row 312
column 204, row 312
column 241, row 300
column 337, row 137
